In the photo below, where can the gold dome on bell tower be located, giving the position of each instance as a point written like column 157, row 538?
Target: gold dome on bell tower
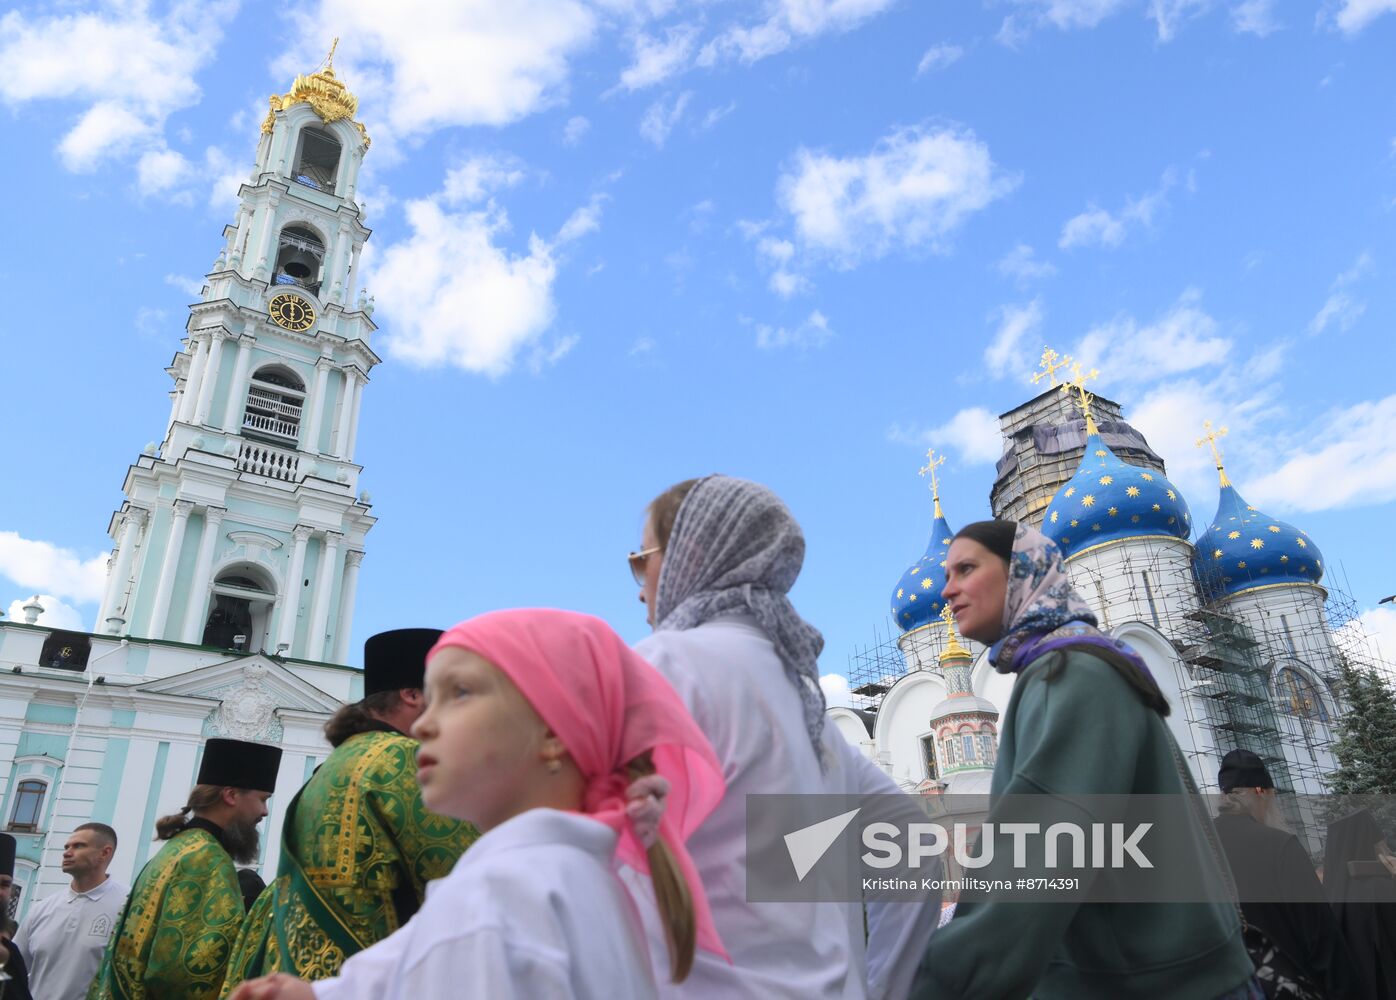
column 326, row 94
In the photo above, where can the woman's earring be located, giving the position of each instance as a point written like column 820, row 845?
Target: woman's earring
column 554, row 765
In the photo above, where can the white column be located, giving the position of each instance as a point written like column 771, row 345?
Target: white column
column 324, row 583
column 338, row 289
column 263, row 264
column 346, row 412
column 161, row 613
column 210, row 380
column 113, row 603
column 197, row 356
column 237, row 389
column 316, row 404
column 176, row 402
column 240, row 237
column 351, row 278
column 203, row 566
column 352, row 559
column 291, row 598
column 354, row 420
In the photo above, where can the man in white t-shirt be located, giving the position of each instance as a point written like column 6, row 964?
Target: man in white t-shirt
column 64, row 935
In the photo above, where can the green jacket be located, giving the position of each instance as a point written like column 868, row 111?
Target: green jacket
column 1086, row 732
column 174, row 935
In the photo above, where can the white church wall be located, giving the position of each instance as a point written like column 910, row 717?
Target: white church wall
column 991, row 685
column 1146, row 579
column 1292, row 615
column 902, row 720
column 850, row 726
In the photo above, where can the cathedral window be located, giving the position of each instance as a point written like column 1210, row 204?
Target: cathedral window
column 300, row 254
column 970, row 746
column 29, row 805
column 1298, row 695
column 317, row 160
column 275, row 398
column 928, row 754
column 240, row 613
column 66, row 651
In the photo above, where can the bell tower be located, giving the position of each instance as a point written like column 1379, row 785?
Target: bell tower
column 244, row 529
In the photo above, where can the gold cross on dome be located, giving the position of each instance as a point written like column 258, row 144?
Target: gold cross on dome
column 1051, row 361
column 1211, row 438
column 929, row 469
column 1083, row 398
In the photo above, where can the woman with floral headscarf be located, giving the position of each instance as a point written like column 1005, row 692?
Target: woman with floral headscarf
column 718, row 557
column 1085, row 718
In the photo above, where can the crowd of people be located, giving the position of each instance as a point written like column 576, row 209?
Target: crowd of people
column 524, row 806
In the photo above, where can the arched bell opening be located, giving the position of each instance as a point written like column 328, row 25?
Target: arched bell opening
column 300, row 256
column 317, row 160
column 240, row 612
column 275, row 399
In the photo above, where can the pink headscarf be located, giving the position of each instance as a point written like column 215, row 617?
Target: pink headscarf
column 607, row 706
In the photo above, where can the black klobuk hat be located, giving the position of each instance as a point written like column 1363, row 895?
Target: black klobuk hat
column 1243, row 769
column 239, row 764
column 397, row 659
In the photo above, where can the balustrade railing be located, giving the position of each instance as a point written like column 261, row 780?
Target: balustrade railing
column 265, row 400
column 271, row 425
column 264, row 460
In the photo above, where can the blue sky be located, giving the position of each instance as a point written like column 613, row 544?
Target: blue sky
column 623, row 243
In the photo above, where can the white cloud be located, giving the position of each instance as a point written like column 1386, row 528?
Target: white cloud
column 42, row 566
column 228, row 178
column 911, row 191
column 1021, row 263
column 642, row 346
column 716, row 115
column 1183, row 339
column 777, row 253
column 1061, row 14
column 938, row 57
column 575, row 128
column 1169, row 15
column 661, row 117
column 545, row 356
column 189, row 286
column 479, row 177
column 159, row 170
column 457, row 298
column 1375, row 626
column 1255, row 17
column 813, row 332
column 1097, row 227
column 1342, row 308
column 973, row 433
column 1015, row 323
column 478, row 62
column 1354, row 15
column 130, row 68
column 836, row 691
column 790, row 21
column 1353, row 455
column 657, row 59
column 55, row 613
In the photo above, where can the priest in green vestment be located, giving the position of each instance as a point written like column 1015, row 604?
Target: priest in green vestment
column 174, row 936
column 358, row 847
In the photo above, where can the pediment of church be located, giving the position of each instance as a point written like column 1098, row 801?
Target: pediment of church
column 250, row 692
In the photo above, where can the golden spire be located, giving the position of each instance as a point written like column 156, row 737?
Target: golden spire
column 1049, row 364
column 953, row 649
column 1083, row 398
column 1210, row 438
column 929, row 469
column 326, row 95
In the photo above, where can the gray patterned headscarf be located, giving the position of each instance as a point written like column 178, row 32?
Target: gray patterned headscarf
column 736, row 549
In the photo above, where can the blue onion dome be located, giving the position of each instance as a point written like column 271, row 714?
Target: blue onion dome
column 1109, row 500
column 1244, row 549
column 916, row 600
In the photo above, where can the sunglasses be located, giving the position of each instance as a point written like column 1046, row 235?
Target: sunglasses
column 638, row 561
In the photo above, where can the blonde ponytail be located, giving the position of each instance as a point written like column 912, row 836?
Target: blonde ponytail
column 672, row 894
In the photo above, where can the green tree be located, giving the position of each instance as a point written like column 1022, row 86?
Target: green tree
column 1366, row 743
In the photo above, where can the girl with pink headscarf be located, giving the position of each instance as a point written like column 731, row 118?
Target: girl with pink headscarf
column 537, row 721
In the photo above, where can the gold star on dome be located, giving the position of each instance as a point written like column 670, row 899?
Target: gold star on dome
column 1074, row 522
column 926, row 583
column 913, row 597
column 1239, row 565
column 1065, row 540
column 1302, row 544
column 1233, row 535
column 1088, row 501
column 1146, row 477
column 1249, row 507
column 1101, row 453
column 1131, row 491
column 1113, row 511
column 942, row 564
column 1054, row 517
column 1172, row 520
column 899, row 593
column 1095, row 527
column 1274, row 529
column 1134, row 518
column 1257, row 543
column 1216, row 554
column 915, row 570
column 1070, row 491
column 1157, row 507
column 1303, row 568
column 1106, row 480
column 1172, row 495
column 1284, row 559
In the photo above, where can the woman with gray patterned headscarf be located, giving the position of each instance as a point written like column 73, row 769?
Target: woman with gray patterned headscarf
column 717, row 560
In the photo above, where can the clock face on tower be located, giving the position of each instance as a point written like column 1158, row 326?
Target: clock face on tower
column 291, row 312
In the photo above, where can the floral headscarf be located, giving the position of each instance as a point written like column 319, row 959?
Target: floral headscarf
column 1042, row 611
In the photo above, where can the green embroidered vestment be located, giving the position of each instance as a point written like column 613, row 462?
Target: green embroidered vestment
column 177, row 929
column 357, row 850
